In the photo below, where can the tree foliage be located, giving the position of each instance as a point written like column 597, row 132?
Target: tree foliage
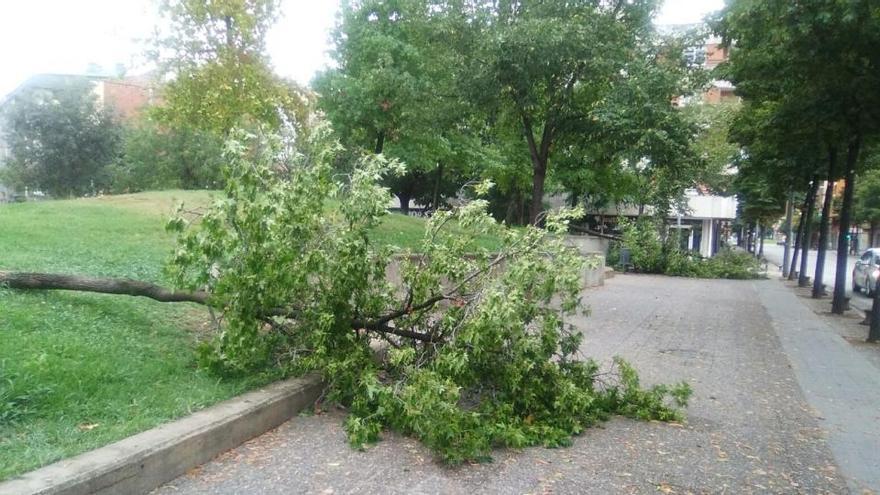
column 60, row 141
column 395, row 91
column 214, row 53
column 476, row 89
column 478, row 347
column 155, row 157
column 813, row 65
column 867, row 195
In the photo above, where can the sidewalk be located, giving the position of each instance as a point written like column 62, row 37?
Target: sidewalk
column 837, row 380
column 750, row 428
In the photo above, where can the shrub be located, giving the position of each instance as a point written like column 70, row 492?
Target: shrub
column 650, row 255
column 161, row 158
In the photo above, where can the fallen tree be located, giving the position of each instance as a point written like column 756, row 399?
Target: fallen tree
column 481, row 349
column 55, row 281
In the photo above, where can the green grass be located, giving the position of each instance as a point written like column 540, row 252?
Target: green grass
column 80, row 370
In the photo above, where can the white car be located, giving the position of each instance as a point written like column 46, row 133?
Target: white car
column 866, row 271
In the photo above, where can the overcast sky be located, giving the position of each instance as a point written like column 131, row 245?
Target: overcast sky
column 65, row 36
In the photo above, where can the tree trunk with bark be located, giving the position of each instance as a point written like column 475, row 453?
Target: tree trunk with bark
column 808, row 232
column 838, row 302
column 52, row 281
column 789, row 213
column 380, row 142
column 797, row 242
column 404, row 202
column 435, row 200
column 761, row 246
column 818, row 275
column 874, row 330
column 539, row 153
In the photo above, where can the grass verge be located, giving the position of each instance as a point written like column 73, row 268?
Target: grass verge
column 77, row 370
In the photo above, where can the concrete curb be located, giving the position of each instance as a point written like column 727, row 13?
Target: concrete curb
column 144, row 461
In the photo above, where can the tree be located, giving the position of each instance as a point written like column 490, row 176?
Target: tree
column 60, row 141
column 394, row 91
column 712, row 143
column 214, row 53
column 814, row 59
column 867, row 201
column 159, row 157
column 637, row 134
column 540, row 67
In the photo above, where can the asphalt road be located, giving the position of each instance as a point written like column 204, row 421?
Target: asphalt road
column 764, row 418
column 774, row 254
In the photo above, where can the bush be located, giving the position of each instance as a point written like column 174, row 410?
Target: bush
column 645, row 248
column 650, row 255
column 156, row 158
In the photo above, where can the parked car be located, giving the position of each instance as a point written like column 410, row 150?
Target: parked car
column 866, row 271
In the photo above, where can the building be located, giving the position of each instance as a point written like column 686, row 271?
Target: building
column 704, row 224
column 126, row 97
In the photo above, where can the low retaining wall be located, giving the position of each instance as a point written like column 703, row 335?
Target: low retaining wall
column 145, row 461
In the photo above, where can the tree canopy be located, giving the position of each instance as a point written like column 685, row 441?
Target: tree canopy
column 214, row 54
column 494, row 89
column 60, row 141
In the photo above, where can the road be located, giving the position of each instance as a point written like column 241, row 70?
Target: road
column 782, row 404
column 774, row 254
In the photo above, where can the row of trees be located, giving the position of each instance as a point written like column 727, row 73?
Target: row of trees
column 810, row 79
column 574, row 98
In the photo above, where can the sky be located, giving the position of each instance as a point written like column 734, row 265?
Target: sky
column 65, row 36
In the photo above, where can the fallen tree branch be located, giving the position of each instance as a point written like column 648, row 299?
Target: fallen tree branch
column 585, row 230
column 55, row 281
column 128, row 287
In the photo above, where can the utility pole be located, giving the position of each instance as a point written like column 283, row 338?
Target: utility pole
column 786, row 256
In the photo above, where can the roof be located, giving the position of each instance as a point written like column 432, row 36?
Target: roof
column 48, row 81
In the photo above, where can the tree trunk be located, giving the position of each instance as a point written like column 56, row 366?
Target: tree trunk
column 539, row 154
column 435, row 201
column 404, row 203
column 797, row 242
column 749, row 239
column 838, row 302
column 818, row 275
column 874, row 331
column 872, row 231
column 786, row 255
column 380, row 142
column 51, row 281
column 539, row 174
column 808, row 231
column 761, row 248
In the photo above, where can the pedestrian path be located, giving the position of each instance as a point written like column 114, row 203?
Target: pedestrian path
column 841, row 384
column 749, row 428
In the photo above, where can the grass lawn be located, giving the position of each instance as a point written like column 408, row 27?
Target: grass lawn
column 80, row 370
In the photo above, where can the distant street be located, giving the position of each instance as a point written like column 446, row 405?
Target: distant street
column 774, row 254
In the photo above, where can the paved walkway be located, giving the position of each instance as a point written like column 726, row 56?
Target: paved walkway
column 750, row 429
column 842, row 384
